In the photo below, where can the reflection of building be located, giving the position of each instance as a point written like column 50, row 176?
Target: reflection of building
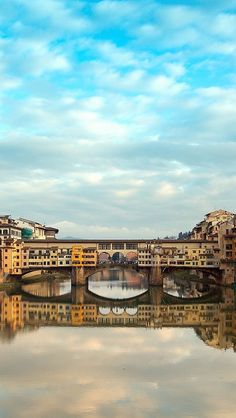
column 215, row 323
column 11, row 311
column 44, row 289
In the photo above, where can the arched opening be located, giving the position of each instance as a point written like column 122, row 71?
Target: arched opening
column 117, row 311
column 104, row 258
column 104, row 310
column 132, row 257
column 131, row 311
column 118, row 258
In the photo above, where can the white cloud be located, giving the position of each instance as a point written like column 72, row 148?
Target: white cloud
column 94, row 178
column 123, row 194
column 175, row 69
column 112, row 109
column 166, row 190
column 60, row 14
column 40, row 56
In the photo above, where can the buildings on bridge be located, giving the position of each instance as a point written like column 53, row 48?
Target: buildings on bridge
column 212, row 245
column 179, row 253
column 18, row 257
column 84, row 256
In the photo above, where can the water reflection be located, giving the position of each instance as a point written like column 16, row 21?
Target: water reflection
column 117, row 284
column 50, row 288
column 212, row 315
column 84, row 356
column 183, row 288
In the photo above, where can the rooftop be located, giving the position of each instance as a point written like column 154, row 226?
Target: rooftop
column 29, row 221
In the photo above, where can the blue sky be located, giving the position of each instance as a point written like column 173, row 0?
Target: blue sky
column 117, row 117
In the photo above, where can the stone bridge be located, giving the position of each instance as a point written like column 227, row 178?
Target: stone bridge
column 154, row 274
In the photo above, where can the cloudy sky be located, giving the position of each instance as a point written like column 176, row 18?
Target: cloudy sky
column 117, row 117
column 99, row 373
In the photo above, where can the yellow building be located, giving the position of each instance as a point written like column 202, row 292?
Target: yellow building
column 82, row 256
column 11, row 257
column 182, row 253
column 77, row 255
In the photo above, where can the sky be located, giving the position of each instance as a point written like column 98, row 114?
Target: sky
column 117, row 116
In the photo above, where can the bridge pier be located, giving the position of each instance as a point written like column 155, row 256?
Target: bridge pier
column 77, row 295
column 155, row 295
column 78, row 276
column 156, row 276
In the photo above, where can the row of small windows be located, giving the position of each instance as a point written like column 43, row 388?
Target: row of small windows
column 11, row 232
column 117, row 246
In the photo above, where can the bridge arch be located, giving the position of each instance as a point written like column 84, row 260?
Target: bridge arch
column 118, row 258
column 104, row 310
column 104, row 257
column 132, row 257
column 117, row 310
column 131, row 311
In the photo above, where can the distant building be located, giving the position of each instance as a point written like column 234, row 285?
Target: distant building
column 35, row 230
column 8, row 229
column 209, row 228
column 24, row 229
column 227, row 240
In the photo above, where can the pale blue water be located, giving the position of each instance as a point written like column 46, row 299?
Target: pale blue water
column 132, row 370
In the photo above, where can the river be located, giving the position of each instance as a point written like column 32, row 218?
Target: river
column 118, row 349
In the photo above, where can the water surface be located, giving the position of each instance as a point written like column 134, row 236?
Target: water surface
column 117, row 284
column 155, row 356
column 50, row 288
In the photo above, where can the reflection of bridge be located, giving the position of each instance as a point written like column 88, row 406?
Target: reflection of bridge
column 213, row 315
column 153, row 296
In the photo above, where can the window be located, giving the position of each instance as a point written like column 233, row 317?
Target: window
column 104, row 246
column 118, row 246
column 131, row 246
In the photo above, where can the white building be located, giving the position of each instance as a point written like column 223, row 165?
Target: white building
column 9, row 228
column 35, row 230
